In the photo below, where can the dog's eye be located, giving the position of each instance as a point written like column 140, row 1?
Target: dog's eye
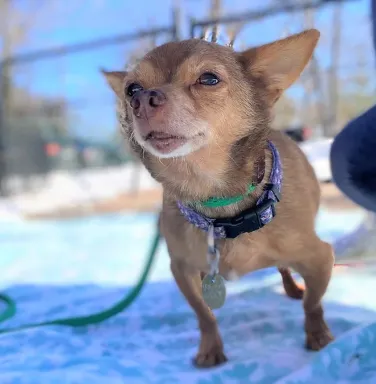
column 208, row 78
column 133, row 88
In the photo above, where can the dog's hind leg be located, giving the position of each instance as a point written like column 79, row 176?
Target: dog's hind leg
column 292, row 288
column 316, row 269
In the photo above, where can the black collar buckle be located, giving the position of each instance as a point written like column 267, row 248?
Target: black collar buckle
column 248, row 220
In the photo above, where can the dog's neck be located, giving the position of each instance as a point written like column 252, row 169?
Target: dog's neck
column 208, row 173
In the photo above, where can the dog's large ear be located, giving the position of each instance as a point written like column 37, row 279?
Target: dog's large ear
column 279, row 64
column 116, row 81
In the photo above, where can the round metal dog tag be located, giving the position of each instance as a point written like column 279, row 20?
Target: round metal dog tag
column 214, row 291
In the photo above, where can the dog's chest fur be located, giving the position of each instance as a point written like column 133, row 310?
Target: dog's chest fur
column 259, row 249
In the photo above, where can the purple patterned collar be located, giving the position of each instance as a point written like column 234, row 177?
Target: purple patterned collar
column 249, row 220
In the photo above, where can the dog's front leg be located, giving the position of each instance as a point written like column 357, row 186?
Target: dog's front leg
column 211, row 346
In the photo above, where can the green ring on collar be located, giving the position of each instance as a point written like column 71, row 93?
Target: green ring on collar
column 215, row 202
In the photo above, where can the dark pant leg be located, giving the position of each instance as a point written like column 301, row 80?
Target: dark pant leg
column 353, row 160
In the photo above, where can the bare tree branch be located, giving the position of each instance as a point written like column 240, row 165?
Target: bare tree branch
column 333, row 69
column 233, row 32
column 215, row 13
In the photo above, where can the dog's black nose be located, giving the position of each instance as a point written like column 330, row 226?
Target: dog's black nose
column 135, row 102
column 153, row 98
column 147, row 103
column 156, row 98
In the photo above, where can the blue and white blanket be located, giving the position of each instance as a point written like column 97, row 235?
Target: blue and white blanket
column 81, row 266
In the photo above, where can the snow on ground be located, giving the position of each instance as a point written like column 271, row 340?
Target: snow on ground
column 82, row 266
column 62, row 189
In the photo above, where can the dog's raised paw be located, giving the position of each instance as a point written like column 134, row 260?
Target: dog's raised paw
column 295, row 291
column 292, row 288
column 211, row 359
column 318, row 339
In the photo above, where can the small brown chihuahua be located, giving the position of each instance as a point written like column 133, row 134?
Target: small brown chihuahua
column 198, row 115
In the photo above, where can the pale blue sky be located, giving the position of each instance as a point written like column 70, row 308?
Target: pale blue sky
column 76, row 77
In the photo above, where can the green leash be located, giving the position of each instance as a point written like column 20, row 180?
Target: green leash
column 96, row 318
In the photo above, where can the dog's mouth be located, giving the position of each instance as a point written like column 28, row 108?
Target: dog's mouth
column 166, row 143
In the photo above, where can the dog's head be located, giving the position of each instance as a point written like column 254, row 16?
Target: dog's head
column 194, row 99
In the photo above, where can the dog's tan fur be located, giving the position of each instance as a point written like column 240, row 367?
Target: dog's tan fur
column 235, row 118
